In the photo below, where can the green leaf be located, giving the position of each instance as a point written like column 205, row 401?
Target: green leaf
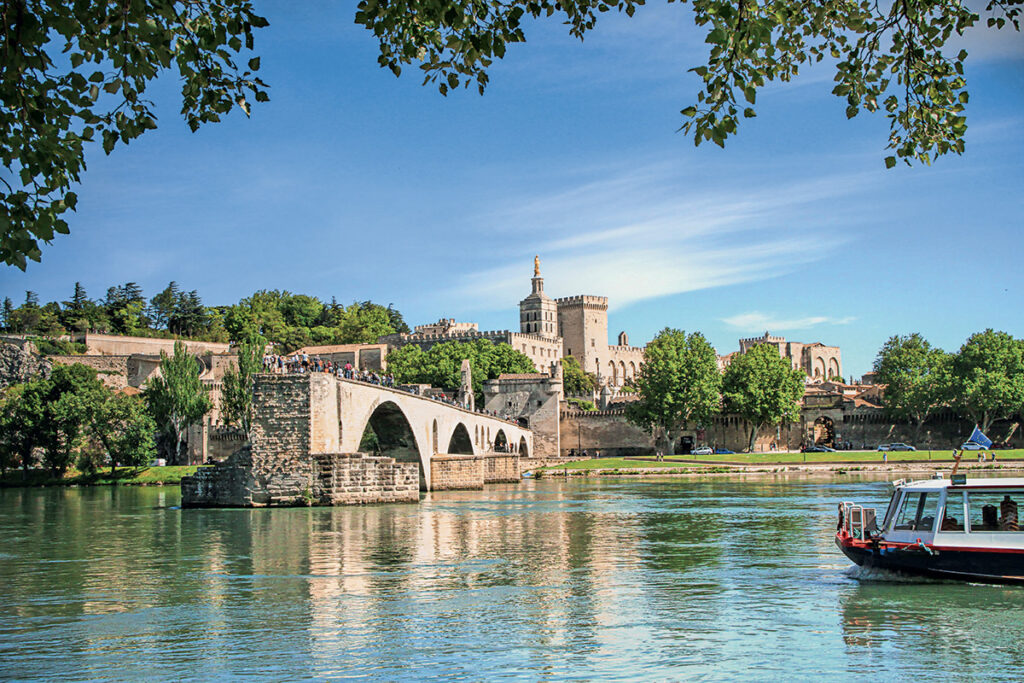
column 890, row 162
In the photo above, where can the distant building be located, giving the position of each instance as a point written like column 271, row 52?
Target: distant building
column 819, row 361
column 549, row 329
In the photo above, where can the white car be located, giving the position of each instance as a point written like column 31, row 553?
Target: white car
column 703, row 450
column 971, row 446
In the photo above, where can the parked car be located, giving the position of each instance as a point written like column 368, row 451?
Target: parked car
column 971, row 446
column 896, row 447
column 817, row 449
column 702, row 450
column 724, row 451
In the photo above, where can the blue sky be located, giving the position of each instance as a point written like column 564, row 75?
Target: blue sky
column 355, row 184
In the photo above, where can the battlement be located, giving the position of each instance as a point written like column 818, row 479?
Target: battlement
column 536, row 337
column 626, row 349
column 461, row 335
column 583, row 300
column 765, row 338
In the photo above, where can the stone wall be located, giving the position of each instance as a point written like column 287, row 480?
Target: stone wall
column 356, row 479
column 456, row 472
column 606, row 430
column 501, row 468
column 111, row 370
column 226, row 484
column 116, row 345
column 281, row 439
column 534, row 401
column 222, row 441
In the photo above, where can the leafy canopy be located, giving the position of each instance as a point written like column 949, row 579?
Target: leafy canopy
column 887, row 56
column 441, row 366
column 236, row 395
column 916, row 377
column 988, row 377
column 763, row 387
column 575, row 381
column 74, row 73
column 177, row 398
column 678, row 383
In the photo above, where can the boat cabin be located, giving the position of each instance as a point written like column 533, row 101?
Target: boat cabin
column 953, row 513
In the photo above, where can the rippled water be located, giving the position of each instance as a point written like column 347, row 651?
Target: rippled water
column 612, row 579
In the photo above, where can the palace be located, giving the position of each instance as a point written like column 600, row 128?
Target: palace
column 549, row 329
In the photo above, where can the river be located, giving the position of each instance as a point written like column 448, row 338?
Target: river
column 711, row 578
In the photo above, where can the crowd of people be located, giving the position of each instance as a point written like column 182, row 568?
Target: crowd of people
column 300, row 363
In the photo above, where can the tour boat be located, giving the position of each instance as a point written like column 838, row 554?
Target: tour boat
column 955, row 528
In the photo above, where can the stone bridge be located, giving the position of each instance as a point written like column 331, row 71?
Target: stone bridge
column 409, row 427
column 306, row 436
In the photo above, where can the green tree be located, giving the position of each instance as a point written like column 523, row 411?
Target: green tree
column 7, row 313
column 365, row 323
column 77, row 73
column 887, row 56
column 679, row 384
column 189, row 317
column 74, row 315
column 125, row 429
column 987, row 377
column 236, row 395
column 441, row 366
column 916, row 376
column 69, row 397
column 763, row 388
column 22, row 423
column 177, row 398
column 161, row 306
column 575, row 381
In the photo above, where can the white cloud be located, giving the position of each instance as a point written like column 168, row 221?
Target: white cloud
column 755, row 321
column 634, row 235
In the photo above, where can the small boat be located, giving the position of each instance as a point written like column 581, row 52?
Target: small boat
column 967, row 530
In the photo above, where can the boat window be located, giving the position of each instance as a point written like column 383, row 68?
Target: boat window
column 891, row 510
column 953, row 513
column 914, row 515
column 995, row 510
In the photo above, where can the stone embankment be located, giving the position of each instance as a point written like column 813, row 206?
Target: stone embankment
column 898, row 470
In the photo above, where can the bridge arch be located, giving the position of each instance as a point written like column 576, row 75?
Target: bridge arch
column 434, row 435
column 501, row 442
column 524, row 451
column 460, row 443
column 395, row 436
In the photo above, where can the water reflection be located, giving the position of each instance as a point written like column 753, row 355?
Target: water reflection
column 613, row 578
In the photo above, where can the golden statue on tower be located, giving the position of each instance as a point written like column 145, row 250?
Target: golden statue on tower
column 536, row 266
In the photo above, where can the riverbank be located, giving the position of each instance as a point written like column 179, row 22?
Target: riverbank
column 640, row 467
column 169, row 475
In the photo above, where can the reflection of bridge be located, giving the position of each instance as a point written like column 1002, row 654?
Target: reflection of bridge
column 306, row 436
column 412, row 428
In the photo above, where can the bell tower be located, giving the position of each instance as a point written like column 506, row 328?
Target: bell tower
column 538, row 313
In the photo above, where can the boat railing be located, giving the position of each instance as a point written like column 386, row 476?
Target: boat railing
column 858, row 521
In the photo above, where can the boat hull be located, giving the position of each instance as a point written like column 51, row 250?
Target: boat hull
column 977, row 565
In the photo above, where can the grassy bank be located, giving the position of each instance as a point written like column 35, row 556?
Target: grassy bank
column 613, row 463
column 124, row 476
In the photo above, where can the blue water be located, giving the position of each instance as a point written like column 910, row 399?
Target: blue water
column 546, row 580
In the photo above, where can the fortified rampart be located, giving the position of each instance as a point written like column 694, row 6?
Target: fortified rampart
column 111, row 370
column 607, row 431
